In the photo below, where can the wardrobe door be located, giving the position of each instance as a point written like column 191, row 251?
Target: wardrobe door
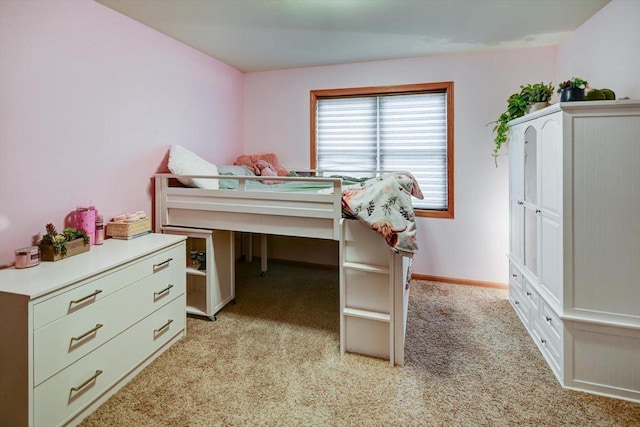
column 516, row 194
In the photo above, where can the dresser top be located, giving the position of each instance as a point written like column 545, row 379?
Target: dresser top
column 48, row 276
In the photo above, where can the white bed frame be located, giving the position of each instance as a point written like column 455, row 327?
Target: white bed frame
column 373, row 279
column 288, row 214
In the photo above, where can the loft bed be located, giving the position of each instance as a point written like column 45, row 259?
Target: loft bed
column 374, row 276
column 310, row 206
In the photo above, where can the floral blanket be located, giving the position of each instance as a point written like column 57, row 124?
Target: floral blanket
column 384, row 204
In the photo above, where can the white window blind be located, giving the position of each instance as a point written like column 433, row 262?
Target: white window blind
column 388, row 133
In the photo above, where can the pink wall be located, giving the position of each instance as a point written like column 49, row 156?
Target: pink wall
column 474, row 244
column 90, row 100
column 605, row 50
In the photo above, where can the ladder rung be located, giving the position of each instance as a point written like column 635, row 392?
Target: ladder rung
column 366, row 314
column 366, row 267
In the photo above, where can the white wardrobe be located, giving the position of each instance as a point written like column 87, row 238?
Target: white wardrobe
column 575, row 241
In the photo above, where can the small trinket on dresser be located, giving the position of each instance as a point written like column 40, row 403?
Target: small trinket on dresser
column 27, row 257
column 99, row 230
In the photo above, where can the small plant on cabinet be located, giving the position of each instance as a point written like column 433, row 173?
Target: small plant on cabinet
column 572, row 90
column 573, row 82
column 537, row 92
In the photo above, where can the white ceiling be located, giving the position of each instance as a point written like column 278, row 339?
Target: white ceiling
column 259, row 35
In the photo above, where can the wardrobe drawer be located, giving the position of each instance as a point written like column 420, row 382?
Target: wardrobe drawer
column 63, row 395
column 60, row 343
column 520, row 304
column 515, row 277
column 548, row 343
column 88, row 293
column 548, row 331
column 549, row 318
column 533, row 299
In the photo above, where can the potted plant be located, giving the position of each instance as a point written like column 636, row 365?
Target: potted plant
column 537, row 95
column 516, row 107
column 55, row 246
column 572, row 90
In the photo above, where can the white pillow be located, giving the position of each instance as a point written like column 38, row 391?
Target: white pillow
column 185, row 162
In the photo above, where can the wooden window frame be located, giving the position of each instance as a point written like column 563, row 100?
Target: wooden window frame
column 439, row 87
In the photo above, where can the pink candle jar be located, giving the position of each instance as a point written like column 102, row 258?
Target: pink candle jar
column 86, row 220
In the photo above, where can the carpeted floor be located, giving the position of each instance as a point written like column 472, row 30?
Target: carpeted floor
column 273, row 359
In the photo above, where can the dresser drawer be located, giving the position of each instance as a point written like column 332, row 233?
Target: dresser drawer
column 88, row 293
column 60, row 343
column 63, row 395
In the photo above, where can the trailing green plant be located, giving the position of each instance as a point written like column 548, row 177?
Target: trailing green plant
column 516, row 107
column 59, row 240
column 573, row 82
column 537, row 92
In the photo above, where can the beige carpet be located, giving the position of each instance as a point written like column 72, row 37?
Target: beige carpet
column 273, row 359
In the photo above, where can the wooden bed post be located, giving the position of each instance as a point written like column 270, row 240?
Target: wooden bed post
column 337, row 213
column 263, row 254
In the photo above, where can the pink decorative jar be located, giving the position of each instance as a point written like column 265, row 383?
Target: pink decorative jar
column 86, row 220
column 27, row 257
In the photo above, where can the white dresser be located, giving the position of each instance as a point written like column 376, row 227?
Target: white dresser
column 75, row 331
column 575, row 241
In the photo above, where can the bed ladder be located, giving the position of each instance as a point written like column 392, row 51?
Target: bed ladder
column 372, row 309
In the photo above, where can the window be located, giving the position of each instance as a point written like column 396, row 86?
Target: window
column 389, row 128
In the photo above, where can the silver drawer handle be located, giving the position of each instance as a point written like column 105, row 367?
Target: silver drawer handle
column 78, row 301
column 528, row 294
column 157, row 294
column 163, row 327
column 548, row 319
column 517, row 302
column 543, row 341
column 84, row 384
column 89, row 332
column 162, row 265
